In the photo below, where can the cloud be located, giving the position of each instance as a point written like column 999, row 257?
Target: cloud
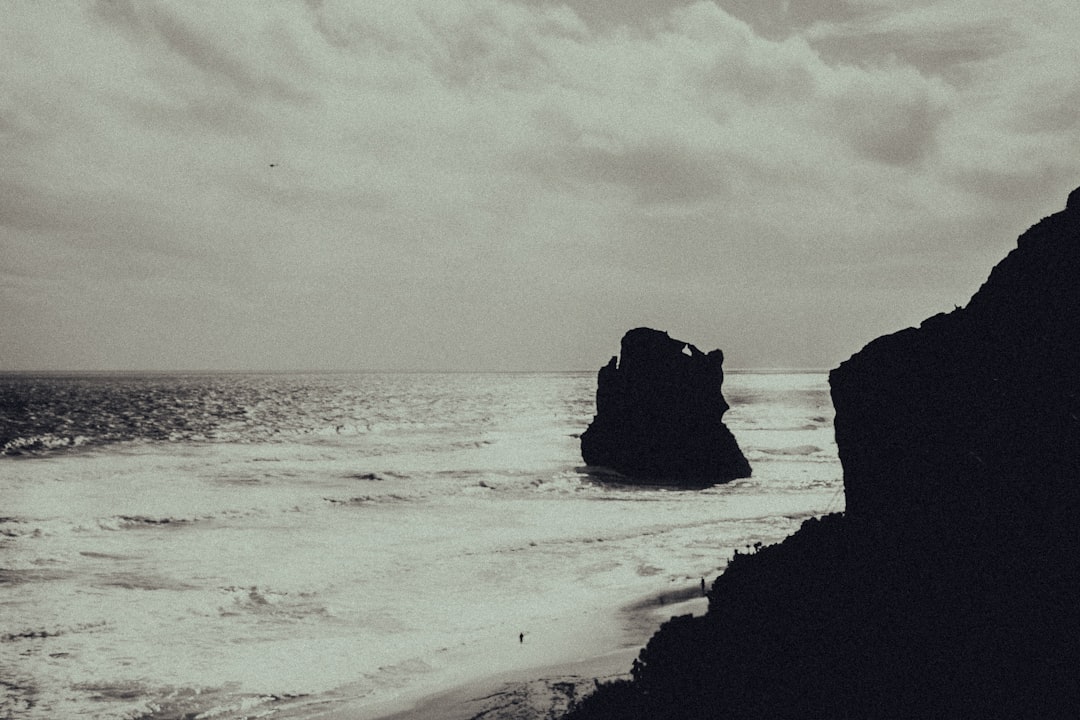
column 942, row 51
column 779, row 19
column 211, row 47
column 772, row 19
column 655, row 172
column 608, row 17
column 1055, row 113
column 456, row 184
column 891, row 117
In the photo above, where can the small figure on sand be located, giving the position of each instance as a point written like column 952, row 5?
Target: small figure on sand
column 521, row 637
column 703, row 586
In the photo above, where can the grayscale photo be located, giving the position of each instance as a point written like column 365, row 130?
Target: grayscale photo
column 539, row 359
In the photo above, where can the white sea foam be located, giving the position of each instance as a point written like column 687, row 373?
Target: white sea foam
column 153, row 579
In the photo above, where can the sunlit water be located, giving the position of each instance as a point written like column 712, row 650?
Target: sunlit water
column 235, row 545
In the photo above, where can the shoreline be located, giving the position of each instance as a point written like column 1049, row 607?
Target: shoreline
column 517, row 693
column 533, row 691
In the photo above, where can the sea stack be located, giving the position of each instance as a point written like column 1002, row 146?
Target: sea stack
column 659, row 414
column 948, row 588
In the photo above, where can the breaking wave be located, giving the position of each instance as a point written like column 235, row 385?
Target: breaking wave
column 39, row 444
column 800, row 450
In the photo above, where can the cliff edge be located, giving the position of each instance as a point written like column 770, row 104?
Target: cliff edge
column 948, row 588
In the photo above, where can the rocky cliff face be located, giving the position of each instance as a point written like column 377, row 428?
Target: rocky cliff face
column 948, row 588
column 659, row 414
column 976, row 414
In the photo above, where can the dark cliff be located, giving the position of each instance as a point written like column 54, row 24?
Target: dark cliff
column 659, row 414
column 978, row 405
column 949, row 588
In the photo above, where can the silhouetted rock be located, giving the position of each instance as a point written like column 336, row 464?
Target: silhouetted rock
column 659, row 414
column 948, row 589
column 976, row 406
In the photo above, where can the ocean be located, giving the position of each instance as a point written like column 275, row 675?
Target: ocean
column 272, row 545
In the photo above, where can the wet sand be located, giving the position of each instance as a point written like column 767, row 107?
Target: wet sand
column 542, row 692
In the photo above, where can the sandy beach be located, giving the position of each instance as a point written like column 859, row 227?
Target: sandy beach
column 518, row 695
column 543, row 685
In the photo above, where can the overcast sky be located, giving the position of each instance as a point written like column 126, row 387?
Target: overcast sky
column 512, row 185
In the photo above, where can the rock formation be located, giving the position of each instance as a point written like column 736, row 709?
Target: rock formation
column 659, row 414
column 949, row 586
column 977, row 405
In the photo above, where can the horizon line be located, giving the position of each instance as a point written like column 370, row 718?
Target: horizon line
column 776, row 370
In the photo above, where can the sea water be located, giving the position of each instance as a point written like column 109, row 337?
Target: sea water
column 237, row 545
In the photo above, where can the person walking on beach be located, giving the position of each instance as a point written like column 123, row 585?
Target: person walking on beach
column 703, row 586
column 521, row 637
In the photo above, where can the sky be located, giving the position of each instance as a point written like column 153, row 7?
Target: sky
column 497, row 185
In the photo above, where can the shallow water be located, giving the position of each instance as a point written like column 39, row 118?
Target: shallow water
column 236, row 544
